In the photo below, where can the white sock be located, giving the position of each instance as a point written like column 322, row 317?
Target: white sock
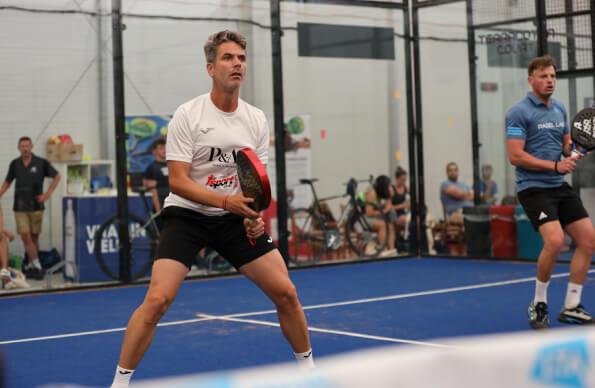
column 305, row 360
column 540, row 291
column 122, row 377
column 573, row 295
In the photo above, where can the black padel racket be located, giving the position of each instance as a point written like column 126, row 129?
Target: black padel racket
column 582, row 131
column 254, row 180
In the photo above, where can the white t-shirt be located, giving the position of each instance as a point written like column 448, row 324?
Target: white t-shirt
column 208, row 138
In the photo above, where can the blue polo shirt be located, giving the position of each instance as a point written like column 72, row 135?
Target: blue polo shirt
column 542, row 128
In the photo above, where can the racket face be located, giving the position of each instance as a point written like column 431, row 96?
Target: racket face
column 583, row 128
column 254, row 180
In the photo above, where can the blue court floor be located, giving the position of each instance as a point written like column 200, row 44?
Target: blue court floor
column 215, row 324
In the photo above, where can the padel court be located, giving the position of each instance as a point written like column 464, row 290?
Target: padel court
column 74, row 337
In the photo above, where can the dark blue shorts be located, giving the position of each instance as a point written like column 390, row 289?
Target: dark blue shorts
column 186, row 231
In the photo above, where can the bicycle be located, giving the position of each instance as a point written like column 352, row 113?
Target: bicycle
column 144, row 235
column 313, row 233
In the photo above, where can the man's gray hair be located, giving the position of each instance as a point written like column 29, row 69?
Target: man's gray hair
column 218, row 38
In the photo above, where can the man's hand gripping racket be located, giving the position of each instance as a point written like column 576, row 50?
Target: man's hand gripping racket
column 582, row 132
column 254, row 180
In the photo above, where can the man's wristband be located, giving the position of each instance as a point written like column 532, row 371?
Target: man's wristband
column 224, row 204
column 556, row 167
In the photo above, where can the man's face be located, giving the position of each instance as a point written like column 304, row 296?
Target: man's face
column 486, row 173
column 25, row 147
column 543, row 81
column 159, row 152
column 229, row 67
column 452, row 172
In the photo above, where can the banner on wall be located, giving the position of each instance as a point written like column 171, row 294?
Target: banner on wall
column 142, row 131
column 298, row 165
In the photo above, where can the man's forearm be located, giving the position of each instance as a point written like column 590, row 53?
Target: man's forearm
column 54, row 184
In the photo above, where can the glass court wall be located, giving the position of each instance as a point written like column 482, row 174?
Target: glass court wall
column 345, row 117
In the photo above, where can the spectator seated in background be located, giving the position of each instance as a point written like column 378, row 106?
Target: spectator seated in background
column 454, row 196
column 487, row 187
column 9, row 279
column 156, row 175
column 400, row 201
column 378, row 210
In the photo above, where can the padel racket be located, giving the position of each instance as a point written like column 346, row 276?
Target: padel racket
column 254, row 180
column 582, row 131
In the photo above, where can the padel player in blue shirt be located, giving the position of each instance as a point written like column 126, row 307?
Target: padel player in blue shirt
column 539, row 145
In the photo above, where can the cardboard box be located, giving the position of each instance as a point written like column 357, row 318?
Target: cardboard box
column 64, row 152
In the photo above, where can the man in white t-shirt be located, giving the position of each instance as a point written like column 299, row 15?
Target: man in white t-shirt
column 205, row 206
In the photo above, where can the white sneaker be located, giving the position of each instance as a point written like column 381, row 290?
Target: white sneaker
column 5, row 274
column 388, row 253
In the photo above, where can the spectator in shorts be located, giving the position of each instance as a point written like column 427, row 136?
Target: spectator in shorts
column 29, row 171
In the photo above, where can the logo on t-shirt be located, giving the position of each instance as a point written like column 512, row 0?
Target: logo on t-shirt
column 218, row 155
column 550, row 125
column 33, row 169
column 224, row 182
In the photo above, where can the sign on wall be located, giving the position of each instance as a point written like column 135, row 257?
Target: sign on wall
column 142, row 132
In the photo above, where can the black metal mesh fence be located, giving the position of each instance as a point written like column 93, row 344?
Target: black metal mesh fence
column 491, row 11
column 553, row 7
column 574, row 36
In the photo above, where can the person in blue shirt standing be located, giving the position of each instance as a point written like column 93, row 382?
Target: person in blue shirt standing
column 537, row 138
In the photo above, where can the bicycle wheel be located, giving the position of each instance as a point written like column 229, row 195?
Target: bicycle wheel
column 143, row 242
column 362, row 237
column 306, row 242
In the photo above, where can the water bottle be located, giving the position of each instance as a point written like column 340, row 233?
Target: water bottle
column 69, row 243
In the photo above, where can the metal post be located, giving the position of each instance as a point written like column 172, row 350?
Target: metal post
column 420, row 228
column 473, row 97
column 282, row 209
column 413, row 230
column 541, row 25
column 593, row 43
column 121, row 166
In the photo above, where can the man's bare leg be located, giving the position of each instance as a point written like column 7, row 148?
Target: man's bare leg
column 166, row 279
column 270, row 274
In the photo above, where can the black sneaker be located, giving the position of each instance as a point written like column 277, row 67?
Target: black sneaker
column 34, row 273
column 538, row 317
column 577, row 316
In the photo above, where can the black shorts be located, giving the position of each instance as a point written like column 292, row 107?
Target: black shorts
column 559, row 203
column 185, row 232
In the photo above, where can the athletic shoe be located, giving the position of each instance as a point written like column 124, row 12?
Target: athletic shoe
column 538, row 317
column 577, row 315
column 5, row 277
column 5, row 274
column 34, row 273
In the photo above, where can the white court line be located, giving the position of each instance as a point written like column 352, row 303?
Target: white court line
column 83, row 333
column 330, row 331
column 403, row 296
column 313, row 307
